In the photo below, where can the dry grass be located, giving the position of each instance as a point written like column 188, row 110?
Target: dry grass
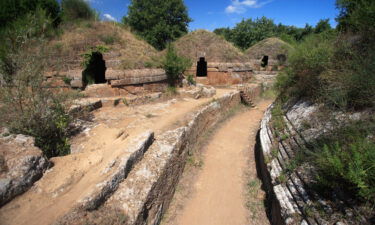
column 216, row 48
column 270, row 46
column 78, row 38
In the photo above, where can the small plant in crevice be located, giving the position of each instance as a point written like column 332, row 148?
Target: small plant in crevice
column 67, row 80
column 282, row 178
column 274, row 153
column 277, row 119
column 190, row 79
column 284, row 137
column 125, row 102
column 170, row 91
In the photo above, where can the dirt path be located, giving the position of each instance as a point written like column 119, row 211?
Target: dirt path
column 75, row 175
column 226, row 190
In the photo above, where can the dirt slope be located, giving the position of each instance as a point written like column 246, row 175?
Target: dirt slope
column 270, row 46
column 217, row 49
column 128, row 51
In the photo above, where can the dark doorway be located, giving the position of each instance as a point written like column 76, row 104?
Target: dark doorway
column 202, row 67
column 264, row 61
column 281, row 58
column 95, row 70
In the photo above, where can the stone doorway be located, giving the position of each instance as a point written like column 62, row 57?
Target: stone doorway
column 264, row 61
column 202, row 67
column 95, row 70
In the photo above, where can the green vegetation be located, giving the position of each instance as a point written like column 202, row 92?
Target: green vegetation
column 12, row 10
column 26, row 105
column 93, row 65
column 158, row 21
column 345, row 160
column 190, row 79
column 174, row 65
column 249, row 32
column 337, row 69
column 74, row 10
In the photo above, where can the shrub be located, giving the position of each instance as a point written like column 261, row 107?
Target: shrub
column 174, row 65
column 345, row 161
column 26, row 105
column 12, row 10
column 73, row 10
column 306, row 64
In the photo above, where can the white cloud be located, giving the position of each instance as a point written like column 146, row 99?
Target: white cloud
column 109, row 17
column 241, row 6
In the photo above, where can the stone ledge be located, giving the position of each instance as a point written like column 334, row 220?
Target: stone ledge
column 23, row 164
column 133, row 155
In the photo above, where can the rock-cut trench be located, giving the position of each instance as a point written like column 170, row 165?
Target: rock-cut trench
column 226, row 189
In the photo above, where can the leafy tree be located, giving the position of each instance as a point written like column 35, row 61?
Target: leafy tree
column 356, row 15
column 77, row 9
column 224, row 32
column 10, row 10
column 322, row 26
column 249, row 32
column 158, row 21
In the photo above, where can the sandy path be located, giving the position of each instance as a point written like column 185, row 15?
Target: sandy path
column 75, row 175
column 221, row 190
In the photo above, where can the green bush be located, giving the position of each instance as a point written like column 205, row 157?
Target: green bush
column 306, row 64
column 174, row 65
column 11, row 10
column 73, row 10
column 346, row 161
column 26, row 105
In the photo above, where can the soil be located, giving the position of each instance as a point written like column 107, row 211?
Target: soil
column 75, row 175
column 223, row 188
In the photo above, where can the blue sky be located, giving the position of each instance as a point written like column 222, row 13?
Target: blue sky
column 211, row 14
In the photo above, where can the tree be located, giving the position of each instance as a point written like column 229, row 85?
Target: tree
column 249, row 32
column 224, row 32
column 356, row 15
column 323, row 25
column 158, row 21
column 77, row 9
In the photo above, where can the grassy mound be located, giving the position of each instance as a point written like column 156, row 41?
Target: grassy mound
column 217, row 49
column 270, row 46
column 120, row 43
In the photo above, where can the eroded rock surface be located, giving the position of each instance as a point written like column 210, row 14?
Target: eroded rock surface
column 22, row 164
